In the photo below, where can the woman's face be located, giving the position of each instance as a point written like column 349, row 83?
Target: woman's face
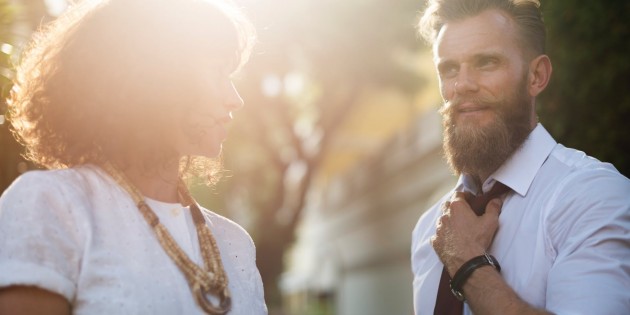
column 205, row 120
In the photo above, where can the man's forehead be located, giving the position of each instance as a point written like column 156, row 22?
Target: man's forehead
column 489, row 30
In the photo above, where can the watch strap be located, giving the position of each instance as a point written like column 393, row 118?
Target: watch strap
column 467, row 269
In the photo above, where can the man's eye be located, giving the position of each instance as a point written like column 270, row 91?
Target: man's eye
column 448, row 71
column 487, row 63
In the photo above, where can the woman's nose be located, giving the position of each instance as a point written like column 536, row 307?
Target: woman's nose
column 233, row 100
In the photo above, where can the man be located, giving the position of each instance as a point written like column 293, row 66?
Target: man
column 559, row 233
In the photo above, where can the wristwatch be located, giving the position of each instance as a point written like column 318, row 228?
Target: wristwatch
column 467, row 269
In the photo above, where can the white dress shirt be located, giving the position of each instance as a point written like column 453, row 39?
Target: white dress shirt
column 76, row 233
column 563, row 240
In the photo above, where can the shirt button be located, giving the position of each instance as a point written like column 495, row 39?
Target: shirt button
column 175, row 211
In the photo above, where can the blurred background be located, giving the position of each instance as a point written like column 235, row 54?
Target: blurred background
column 338, row 149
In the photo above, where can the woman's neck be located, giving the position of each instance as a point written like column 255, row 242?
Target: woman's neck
column 156, row 183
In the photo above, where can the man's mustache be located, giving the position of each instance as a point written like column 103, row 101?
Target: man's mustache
column 452, row 106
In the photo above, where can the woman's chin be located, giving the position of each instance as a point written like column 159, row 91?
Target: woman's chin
column 214, row 151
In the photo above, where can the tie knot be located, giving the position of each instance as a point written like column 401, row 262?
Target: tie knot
column 478, row 203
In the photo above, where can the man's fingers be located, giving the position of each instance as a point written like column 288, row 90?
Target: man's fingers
column 494, row 207
column 445, row 206
column 432, row 240
column 458, row 196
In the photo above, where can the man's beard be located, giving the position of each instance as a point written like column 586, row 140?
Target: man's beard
column 481, row 150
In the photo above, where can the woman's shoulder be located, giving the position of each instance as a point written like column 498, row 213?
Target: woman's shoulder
column 57, row 184
column 43, row 211
column 58, row 177
column 226, row 227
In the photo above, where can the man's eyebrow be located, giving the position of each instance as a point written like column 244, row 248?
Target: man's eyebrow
column 489, row 54
column 446, row 63
column 443, row 62
column 486, row 54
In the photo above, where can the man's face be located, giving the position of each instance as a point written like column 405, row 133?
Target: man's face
column 488, row 111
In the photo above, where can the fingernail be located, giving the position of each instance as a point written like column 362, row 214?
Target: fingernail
column 497, row 202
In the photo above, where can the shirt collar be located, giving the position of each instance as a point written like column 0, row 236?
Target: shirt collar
column 519, row 170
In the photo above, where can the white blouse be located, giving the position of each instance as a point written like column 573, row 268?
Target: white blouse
column 77, row 233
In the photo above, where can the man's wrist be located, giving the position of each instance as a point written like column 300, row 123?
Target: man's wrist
column 456, row 262
column 464, row 272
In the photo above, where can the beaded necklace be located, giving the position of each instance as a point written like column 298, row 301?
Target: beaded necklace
column 203, row 282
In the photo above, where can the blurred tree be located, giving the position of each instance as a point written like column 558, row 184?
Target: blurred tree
column 315, row 60
column 587, row 105
column 9, row 148
column 341, row 49
column 18, row 18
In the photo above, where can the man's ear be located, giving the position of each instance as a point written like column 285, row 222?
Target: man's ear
column 539, row 75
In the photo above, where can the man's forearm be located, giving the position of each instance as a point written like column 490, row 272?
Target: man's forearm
column 487, row 294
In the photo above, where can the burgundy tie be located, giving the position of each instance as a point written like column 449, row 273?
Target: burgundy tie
column 446, row 303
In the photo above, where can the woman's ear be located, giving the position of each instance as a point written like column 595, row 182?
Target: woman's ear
column 539, row 75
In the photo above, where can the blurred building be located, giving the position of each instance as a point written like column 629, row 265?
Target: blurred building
column 352, row 254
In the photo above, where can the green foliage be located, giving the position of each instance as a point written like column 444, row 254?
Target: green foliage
column 7, row 16
column 29, row 14
column 9, row 148
column 587, row 105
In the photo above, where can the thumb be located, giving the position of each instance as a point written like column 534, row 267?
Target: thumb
column 494, row 206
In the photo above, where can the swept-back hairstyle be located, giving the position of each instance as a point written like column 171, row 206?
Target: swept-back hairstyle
column 525, row 13
column 105, row 80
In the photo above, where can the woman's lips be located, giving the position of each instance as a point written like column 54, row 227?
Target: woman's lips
column 224, row 120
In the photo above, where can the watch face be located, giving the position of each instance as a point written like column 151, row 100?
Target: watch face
column 458, row 295
column 493, row 262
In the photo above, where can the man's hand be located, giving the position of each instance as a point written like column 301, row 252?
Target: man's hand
column 461, row 234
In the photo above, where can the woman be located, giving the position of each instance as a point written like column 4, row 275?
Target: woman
column 121, row 99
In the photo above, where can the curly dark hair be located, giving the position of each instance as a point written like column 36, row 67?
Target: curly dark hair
column 525, row 13
column 103, row 81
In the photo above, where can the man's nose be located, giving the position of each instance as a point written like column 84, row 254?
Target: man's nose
column 466, row 81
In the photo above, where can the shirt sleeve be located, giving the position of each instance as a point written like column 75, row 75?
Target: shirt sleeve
column 238, row 253
column 589, row 232
column 39, row 236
